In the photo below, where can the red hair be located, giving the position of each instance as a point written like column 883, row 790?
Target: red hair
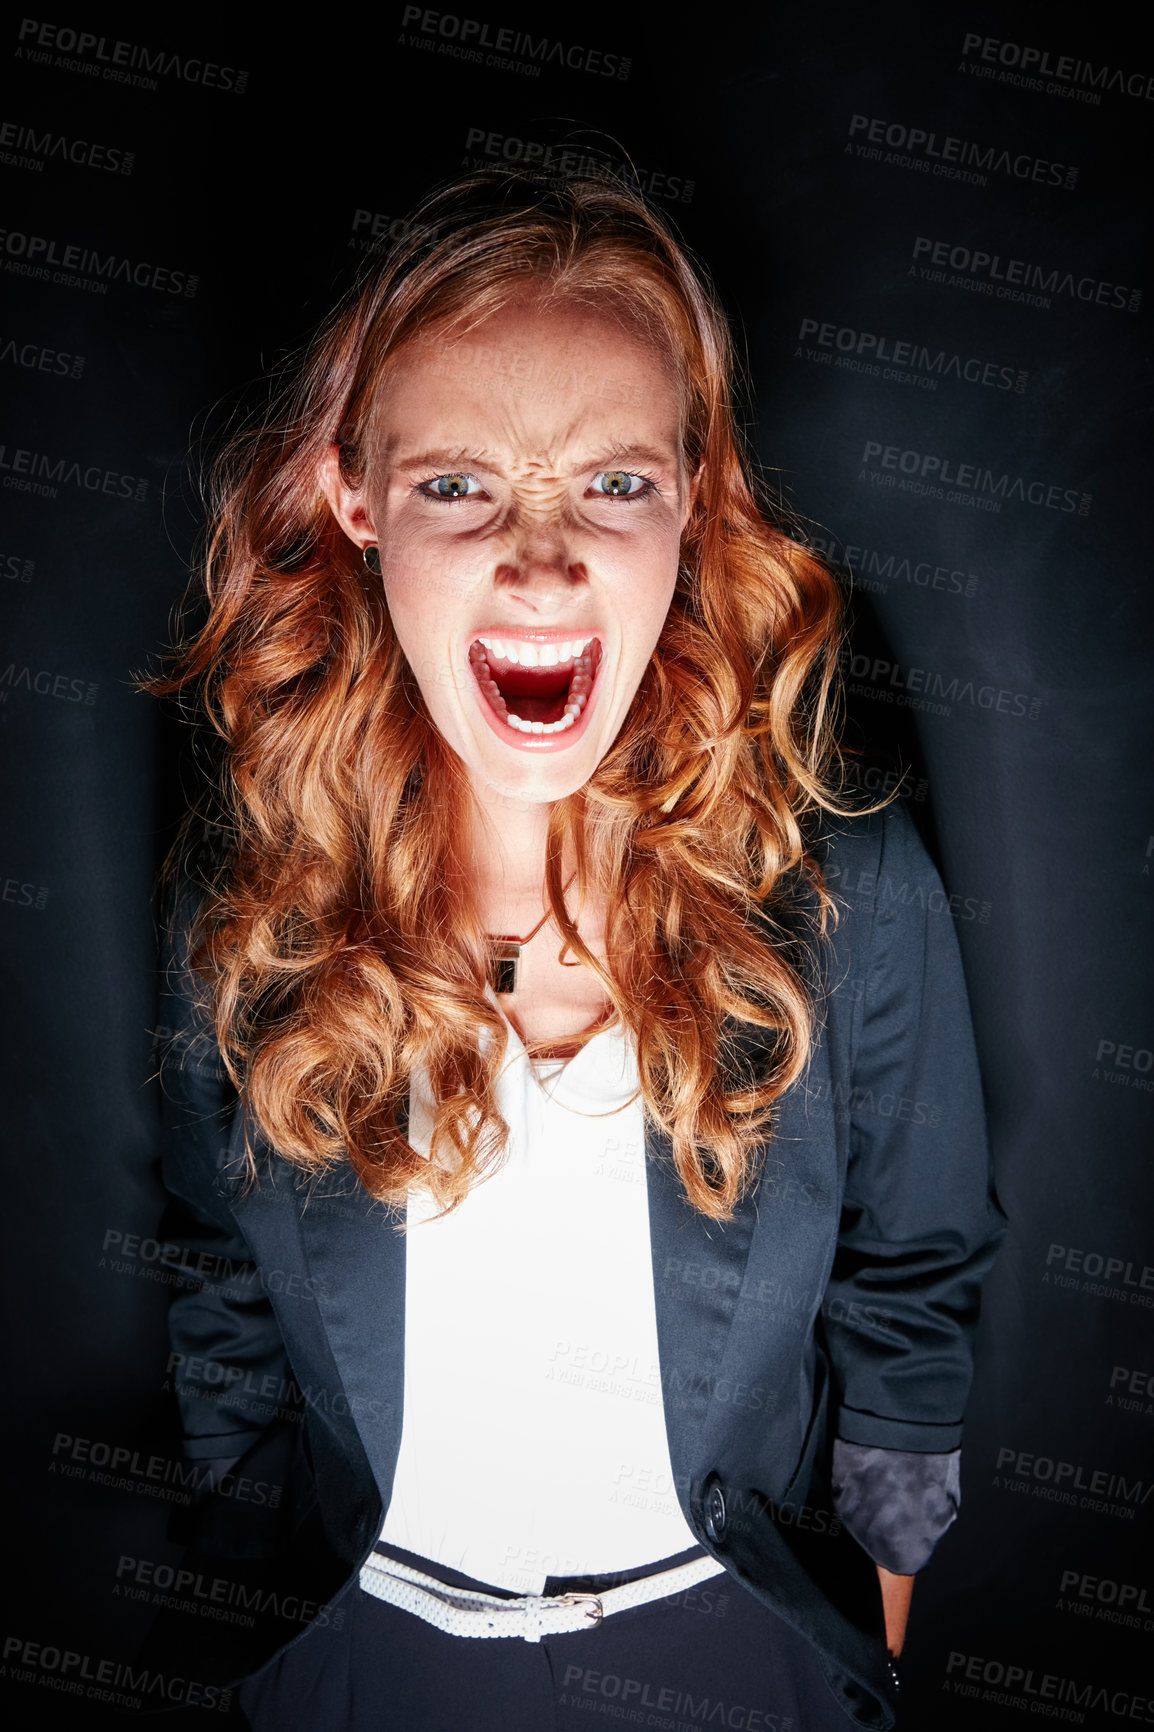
column 338, row 945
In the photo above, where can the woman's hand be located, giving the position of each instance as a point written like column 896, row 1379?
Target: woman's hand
column 897, row 1592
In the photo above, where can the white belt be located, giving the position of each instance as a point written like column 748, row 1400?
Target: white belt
column 467, row 1612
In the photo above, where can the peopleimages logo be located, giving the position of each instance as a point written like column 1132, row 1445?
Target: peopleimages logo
column 214, row 1380
column 25, row 147
column 120, row 62
column 874, row 570
column 898, row 357
column 39, row 358
column 1124, row 1065
column 27, row 471
column 1130, row 1389
column 1100, row 1275
column 1008, row 279
column 932, row 690
column 485, row 146
column 1099, row 1482
column 930, row 474
column 102, row 1680
column 1105, row 1600
column 510, row 50
column 1056, row 74
column 381, row 226
column 15, row 568
column 948, row 157
column 187, row 1590
column 81, row 267
column 1033, row 1691
column 20, row 676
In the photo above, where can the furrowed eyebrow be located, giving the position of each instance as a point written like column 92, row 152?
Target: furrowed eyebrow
column 613, row 457
column 621, row 456
column 444, row 460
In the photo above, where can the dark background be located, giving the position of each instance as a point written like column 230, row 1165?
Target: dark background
column 984, row 487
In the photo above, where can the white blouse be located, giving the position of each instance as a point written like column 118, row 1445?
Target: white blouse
column 534, row 1437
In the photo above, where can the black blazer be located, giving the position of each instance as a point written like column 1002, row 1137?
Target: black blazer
column 841, row 1300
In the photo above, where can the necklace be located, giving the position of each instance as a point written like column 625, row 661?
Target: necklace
column 505, row 953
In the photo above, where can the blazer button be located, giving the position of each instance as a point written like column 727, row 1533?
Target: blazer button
column 715, row 1514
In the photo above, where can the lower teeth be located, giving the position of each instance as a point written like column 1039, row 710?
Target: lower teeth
column 573, row 707
column 541, row 727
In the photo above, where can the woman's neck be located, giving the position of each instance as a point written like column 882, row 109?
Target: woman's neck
column 507, row 859
column 555, row 999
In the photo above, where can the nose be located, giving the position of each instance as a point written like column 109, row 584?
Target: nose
column 541, row 569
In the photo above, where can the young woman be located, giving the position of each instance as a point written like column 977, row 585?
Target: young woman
column 574, row 1116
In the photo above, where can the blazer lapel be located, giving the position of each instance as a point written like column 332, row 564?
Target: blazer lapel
column 698, row 1267
column 334, row 1262
column 355, row 1254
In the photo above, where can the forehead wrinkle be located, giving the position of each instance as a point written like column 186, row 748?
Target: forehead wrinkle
column 487, row 432
column 551, row 461
column 497, row 423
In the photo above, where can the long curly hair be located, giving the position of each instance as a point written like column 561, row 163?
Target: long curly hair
column 338, row 946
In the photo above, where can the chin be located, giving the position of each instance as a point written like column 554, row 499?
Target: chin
column 529, row 781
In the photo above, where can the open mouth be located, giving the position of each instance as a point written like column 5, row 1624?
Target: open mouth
column 535, row 687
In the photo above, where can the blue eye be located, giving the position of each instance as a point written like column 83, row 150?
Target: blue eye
column 454, row 486
column 620, row 484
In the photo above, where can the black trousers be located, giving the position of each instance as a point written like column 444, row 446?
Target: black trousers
column 711, row 1656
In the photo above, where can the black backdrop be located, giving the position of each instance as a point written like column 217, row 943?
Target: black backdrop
column 925, row 222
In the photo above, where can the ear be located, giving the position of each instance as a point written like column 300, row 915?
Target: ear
column 345, row 501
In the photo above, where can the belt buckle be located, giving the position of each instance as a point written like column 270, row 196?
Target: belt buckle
column 595, row 1610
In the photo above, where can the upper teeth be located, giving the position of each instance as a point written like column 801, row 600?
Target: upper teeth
column 535, row 655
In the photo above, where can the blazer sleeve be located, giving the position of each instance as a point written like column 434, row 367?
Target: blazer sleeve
column 919, row 1226
column 227, row 1362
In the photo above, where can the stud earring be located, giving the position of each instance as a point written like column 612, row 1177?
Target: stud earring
column 372, row 558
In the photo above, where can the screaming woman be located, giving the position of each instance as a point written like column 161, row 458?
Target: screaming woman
column 573, row 1118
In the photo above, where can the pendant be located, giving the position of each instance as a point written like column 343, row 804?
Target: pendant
column 504, row 960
